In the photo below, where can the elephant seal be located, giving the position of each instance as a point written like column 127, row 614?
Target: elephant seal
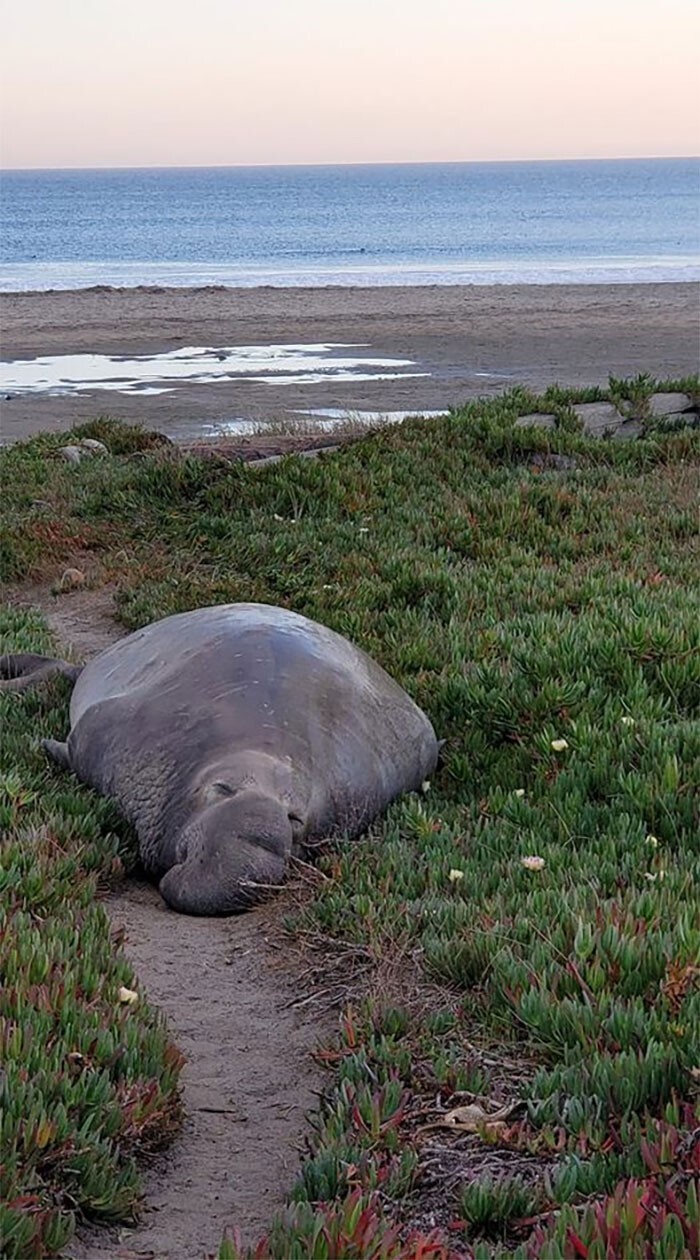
column 232, row 737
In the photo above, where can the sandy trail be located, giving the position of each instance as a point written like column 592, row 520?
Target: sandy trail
column 247, row 1086
column 466, row 340
column 236, row 1010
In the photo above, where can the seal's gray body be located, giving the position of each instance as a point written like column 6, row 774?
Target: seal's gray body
column 233, row 736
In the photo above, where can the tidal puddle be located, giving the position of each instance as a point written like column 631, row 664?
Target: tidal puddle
column 340, row 415
column 313, row 420
column 197, row 365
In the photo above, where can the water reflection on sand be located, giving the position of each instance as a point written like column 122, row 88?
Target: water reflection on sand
column 194, row 365
column 313, row 419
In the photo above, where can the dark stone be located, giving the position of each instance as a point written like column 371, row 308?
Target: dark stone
column 669, row 404
column 598, row 418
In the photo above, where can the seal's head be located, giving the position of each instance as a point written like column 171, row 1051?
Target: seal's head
column 230, row 853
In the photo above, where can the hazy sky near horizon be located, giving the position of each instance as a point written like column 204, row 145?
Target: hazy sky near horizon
column 228, row 82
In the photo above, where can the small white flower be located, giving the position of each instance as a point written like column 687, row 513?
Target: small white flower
column 651, row 876
column 455, row 876
column 277, row 517
column 559, row 745
column 519, row 792
column 363, row 530
column 425, row 785
column 652, row 842
column 532, row 863
column 128, row 996
column 627, row 720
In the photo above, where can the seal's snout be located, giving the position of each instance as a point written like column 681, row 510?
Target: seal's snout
column 236, row 853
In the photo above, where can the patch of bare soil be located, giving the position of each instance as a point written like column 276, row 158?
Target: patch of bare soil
column 233, row 1004
column 249, row 1081
column 82, row 621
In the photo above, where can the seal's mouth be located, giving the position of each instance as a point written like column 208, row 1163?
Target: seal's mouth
column 182, row 895
column 232, row 855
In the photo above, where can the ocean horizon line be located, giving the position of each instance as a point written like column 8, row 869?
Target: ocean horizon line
column 335, row 165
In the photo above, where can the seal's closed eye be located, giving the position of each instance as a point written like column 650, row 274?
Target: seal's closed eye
column 224, row 789
column 214, row 792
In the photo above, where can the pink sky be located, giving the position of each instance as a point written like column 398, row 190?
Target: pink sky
column 227, row 82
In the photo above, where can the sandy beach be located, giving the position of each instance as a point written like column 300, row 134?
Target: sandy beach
column 463, row 340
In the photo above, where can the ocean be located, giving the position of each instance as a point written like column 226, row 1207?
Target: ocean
column 576, row 222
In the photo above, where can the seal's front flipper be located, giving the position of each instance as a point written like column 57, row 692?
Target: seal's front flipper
column 57, row 752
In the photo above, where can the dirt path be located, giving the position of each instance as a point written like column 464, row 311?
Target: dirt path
column 248, row 1082
column 236, row 1010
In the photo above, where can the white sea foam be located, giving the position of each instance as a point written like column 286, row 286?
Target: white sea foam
column 44, row 276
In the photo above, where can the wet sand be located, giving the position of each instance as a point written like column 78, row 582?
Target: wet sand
column 468, row 340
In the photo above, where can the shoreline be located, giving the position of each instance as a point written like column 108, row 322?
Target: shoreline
column 463, row 340
column 685, row 270
column 433, row 286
